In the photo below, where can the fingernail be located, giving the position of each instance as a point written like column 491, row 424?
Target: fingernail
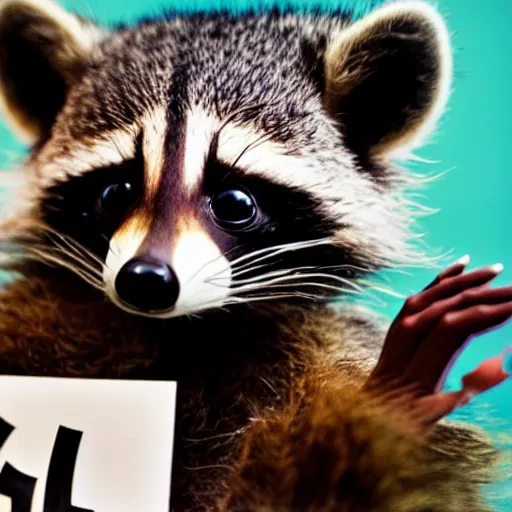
column 463, row 261
column 497, row 268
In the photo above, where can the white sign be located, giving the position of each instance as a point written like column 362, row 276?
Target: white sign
column 79, row 445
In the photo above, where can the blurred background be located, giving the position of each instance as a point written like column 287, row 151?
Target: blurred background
column 472, row 144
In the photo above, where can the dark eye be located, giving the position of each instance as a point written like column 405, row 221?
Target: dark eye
column 233, row 209
column 115, row 199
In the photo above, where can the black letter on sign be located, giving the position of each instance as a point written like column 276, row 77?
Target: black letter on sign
column 60, row 472
column 17, row 486
column 5, row 431
column 14, row 484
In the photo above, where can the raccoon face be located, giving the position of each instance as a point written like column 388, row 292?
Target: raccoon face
column 192, row 163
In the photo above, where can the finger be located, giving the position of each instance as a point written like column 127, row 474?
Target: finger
column 453, row 270
column 450, row 336
column 428, row 318
column 432, row 408
column 410, row 332
column 450, row 286
column 487, row 375
column 403, row 336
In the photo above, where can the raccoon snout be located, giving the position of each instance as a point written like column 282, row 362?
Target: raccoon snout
column 147, row 284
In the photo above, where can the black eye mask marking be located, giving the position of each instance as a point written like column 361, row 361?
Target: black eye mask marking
column 91, row 207
column 242, row 214
column 283, row 215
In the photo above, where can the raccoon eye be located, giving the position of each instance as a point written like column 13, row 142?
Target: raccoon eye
column 233, row 209
column 115, row 199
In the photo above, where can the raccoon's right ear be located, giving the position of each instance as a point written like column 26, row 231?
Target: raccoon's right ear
column 43, row 50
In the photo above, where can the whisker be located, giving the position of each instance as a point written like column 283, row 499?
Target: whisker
column 363, row 294
column 82, row 261
column 223, row 255
column 295, row 294
column 236, row 274
column 71, row 243
column 309, row 267
column 339, row 289
column 75, row 246
column 275, row 296
column 275, row 250
column 72, row 256
column 65, row 247
column 48, row 256
column 79, row 248
column 45, row 257
column 382, row 289
column 233, row 299
column 277, row 253
column 278, row 249
column 295, row 277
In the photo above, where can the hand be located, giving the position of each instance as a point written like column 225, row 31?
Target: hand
column 430, row 331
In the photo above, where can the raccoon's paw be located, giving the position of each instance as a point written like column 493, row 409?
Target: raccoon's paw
column 430, row 330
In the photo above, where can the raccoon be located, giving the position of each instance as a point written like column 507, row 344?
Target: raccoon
column 198, row 189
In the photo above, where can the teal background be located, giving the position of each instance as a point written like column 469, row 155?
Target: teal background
column 473, row 198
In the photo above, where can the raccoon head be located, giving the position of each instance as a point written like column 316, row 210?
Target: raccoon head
column 189, row 163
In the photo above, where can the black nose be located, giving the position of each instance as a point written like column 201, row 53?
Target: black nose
column 147, row 284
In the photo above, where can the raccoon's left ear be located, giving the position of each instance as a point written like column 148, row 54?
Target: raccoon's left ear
column 43, row 50
column 388, row 78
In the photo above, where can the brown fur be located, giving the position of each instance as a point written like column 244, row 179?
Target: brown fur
column 269, row 418
column 329, row 451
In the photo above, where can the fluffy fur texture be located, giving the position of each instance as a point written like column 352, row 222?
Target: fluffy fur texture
column 307, row 112
column 271, row 414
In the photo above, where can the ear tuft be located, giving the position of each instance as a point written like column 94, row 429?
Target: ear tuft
column 388, row 78
column 43, row 50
